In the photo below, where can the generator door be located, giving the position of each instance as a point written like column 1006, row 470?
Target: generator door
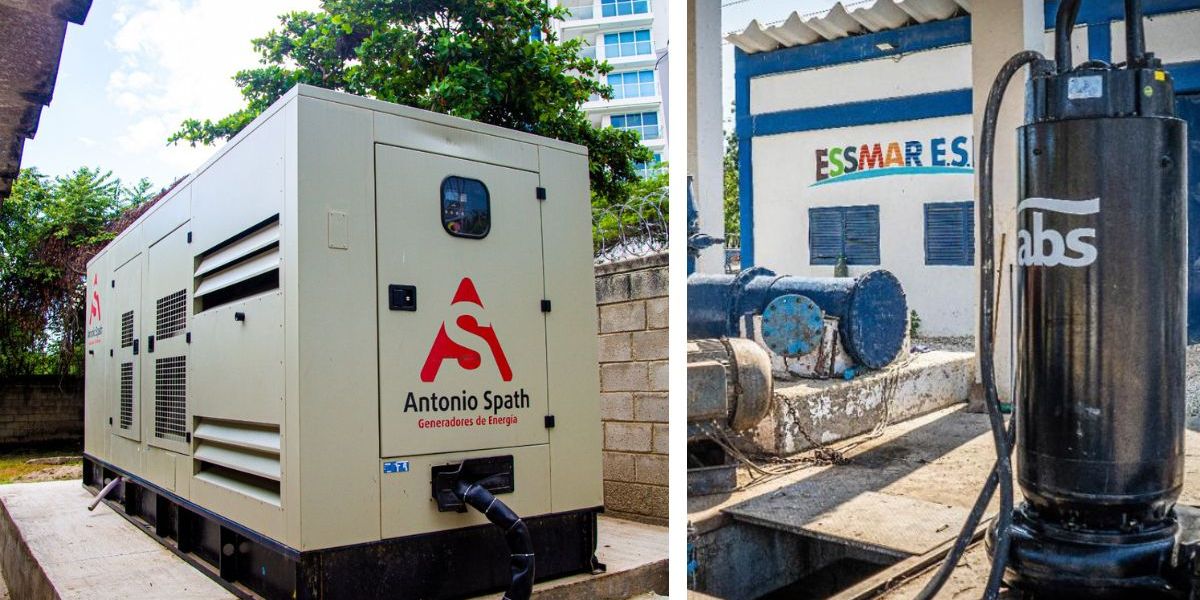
column 127, row 291
column 164, row 339
column 462, row 335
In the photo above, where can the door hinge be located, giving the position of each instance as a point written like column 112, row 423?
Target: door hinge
column 541, row 193
column 187, row 337
column 189, row 237
column 150, row 344
column 545, row 306
column 114, row 283
column 188, row 436
column 110, row 352
column 549, row 421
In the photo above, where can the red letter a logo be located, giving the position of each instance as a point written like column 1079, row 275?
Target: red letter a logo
column 94, row 308
column 446, row 348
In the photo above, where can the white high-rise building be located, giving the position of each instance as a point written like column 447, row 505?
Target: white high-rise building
column 632, row 36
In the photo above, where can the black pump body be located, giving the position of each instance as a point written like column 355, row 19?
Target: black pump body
column 1102, row 285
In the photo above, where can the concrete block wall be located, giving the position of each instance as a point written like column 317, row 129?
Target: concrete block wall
column 41, row 410
column 632, row 300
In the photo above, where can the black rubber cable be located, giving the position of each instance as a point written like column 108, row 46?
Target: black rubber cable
column 1064, row 26
column 516, row 534
column 1135, row 38
column 1001, row 475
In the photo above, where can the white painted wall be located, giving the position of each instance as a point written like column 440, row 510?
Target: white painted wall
column 784, row 171
column 1173, row 37
column 904, row 75
column 785, row 165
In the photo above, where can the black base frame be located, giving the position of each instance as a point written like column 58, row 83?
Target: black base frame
column 445, row 565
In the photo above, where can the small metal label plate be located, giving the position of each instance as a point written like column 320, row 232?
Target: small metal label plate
column 1082, row 88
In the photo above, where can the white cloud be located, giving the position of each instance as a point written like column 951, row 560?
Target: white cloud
column 177, row 60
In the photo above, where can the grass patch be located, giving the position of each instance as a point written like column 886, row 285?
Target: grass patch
column 13, row 465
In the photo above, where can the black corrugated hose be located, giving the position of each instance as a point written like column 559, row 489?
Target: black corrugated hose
column 516, row 534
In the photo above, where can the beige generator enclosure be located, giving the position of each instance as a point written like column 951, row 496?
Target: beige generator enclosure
column 301, row 358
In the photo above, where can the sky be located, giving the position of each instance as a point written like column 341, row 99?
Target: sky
column 135, row 70
column 736, row 14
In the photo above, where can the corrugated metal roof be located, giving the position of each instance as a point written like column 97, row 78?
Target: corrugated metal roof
column 30, row 49
column 840, row 22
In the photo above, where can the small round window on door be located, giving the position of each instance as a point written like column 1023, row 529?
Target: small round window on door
column 466, row 207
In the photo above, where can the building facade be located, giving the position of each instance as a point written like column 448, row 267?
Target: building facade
column 632, row 36
column 859, row 148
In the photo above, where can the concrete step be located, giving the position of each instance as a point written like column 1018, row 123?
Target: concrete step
column 52, row 547
column 810, row 411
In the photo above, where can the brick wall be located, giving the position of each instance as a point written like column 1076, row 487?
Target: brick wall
column 41, row 410
column 632, row 299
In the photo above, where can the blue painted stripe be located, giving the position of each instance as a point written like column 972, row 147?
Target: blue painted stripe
column 741, row 104
column 1186, row 76
column 869, row 112
column 889, row 171
column 914, row 38
column 1100, row 42
column 1103, row 11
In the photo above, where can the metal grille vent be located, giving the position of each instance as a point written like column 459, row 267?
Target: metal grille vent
column 127, row 329
column 170, row 398
column 126, row 395
column 171, row 315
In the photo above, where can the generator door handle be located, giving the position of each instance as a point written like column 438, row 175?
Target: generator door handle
column 150, row 344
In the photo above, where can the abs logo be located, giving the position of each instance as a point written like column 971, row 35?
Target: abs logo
column 1047, row 247
column 444, row 348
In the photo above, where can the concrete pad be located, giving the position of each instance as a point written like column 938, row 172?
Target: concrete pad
column 901, row 494
column 828, row 410
column 636, row 557
column 51, row 547
column 967, row 581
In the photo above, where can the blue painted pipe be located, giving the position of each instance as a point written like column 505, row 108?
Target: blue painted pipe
column 872, row 307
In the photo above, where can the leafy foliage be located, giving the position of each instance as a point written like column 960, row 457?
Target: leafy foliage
column 49, row 229
column 497, row 61
column 733, row 215
column 635, row 226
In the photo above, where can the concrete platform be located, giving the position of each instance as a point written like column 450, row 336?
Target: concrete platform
column 898, row 496
column 835, row 409
column 52, row 547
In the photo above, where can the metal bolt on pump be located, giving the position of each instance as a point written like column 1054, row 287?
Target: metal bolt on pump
column 1101, row 280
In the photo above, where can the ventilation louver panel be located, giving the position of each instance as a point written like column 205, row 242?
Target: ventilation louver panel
column 170, row 398
column 240, row 456
column 126, row 395
column 127, row 329
column 242, row 266
column 171, row 315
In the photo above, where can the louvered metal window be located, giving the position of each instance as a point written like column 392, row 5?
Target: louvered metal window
column 126, row 395
column 171, row 315
column 843, row 231
column 170, row 398
column 950, row 233
column 127, row 329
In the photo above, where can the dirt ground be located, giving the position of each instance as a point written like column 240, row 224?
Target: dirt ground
column 47, row 465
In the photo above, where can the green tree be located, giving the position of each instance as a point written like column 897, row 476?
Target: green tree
column 642, row 218
column 49, row 229
column 497, row 61
column 733, row 214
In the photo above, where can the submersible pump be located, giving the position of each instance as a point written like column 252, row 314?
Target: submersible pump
column 1101, row 339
